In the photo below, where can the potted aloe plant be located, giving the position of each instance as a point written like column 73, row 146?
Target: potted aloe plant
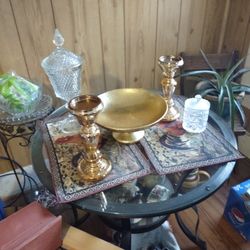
column 222, row 86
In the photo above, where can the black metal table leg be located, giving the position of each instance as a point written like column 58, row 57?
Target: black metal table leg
column 4, row 141
column 193, row 237
column 126, row 234
column 79, row 221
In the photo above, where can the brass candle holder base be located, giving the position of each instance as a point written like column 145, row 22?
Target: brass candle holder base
column 94, row 171
column 94, row 166
column 171, row 115
column 128, row 137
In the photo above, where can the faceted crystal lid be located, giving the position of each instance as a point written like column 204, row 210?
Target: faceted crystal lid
column 60, row 58
column 197, row 103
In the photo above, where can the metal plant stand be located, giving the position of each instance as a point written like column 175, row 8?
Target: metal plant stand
column 22, row 126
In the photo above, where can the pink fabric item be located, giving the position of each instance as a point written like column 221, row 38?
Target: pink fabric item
column 31, row 228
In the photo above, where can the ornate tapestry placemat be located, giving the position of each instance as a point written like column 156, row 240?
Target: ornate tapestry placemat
column 166, row 148
column 65, row 150
column 171, row 149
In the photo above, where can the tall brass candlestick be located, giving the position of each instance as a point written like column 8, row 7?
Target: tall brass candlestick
column 169, row 65
column 94, row 166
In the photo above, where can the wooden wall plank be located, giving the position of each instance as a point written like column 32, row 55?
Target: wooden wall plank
column 140, row 33
column 113, row 44
column 168, row 11
column 238, row 20
column 35, row 25
column 212, row 28
column 191, row 25
column 79, row 22
column 11, row 58
column 11, row 51
column 245, row 49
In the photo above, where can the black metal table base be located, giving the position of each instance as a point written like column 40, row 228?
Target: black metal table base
column 79, row 221
column 192, row 236
column 125, row 229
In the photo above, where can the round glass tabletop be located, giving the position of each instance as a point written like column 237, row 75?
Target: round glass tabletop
column 149, row 196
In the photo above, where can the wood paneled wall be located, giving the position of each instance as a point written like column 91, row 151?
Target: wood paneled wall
column 120, row 39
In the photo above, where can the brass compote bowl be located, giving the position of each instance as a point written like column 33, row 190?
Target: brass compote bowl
column 128, row 111
column 169, row 65
column 94, row 166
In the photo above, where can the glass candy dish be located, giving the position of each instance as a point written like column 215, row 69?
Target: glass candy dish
column 195, row 115
column 43, row 108
column 64, row 70
column 18, row 96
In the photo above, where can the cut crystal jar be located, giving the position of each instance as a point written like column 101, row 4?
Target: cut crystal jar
column 196, row 111
column 64, row 70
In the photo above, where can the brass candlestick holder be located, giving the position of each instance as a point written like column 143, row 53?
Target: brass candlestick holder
column 94, row 166
column 169, row 65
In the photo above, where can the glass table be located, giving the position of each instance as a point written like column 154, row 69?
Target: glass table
column 126, row 208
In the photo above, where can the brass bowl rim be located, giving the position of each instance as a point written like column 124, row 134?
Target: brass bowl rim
column 138, row 128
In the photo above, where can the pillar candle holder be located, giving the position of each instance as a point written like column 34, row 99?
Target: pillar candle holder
column 94, row 166
column 169, row 65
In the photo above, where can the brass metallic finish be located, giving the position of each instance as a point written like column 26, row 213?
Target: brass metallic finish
column 128, row 137
column 94, row 166
column 94, row 171
column 169, row 65
column 128, row 111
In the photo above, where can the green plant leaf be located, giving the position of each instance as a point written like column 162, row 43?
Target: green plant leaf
column 239, row 73
column 231, row 103
column 241, row 88
column 206, row 60
column 206, row 92
column 210, row 82
column 221, row 101
column 231, row 71
column 241, row 112
column 201, row 72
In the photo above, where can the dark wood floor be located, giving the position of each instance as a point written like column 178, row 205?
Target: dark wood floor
column 214, row 229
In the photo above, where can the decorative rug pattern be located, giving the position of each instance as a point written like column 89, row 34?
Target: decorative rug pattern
column 65, row 151
column 171, row 149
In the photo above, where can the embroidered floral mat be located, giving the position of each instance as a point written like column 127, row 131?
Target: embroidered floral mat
column 171, row 149
column 165, row 148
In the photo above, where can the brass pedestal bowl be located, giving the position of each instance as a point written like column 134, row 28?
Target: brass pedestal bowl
column 128, row 111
